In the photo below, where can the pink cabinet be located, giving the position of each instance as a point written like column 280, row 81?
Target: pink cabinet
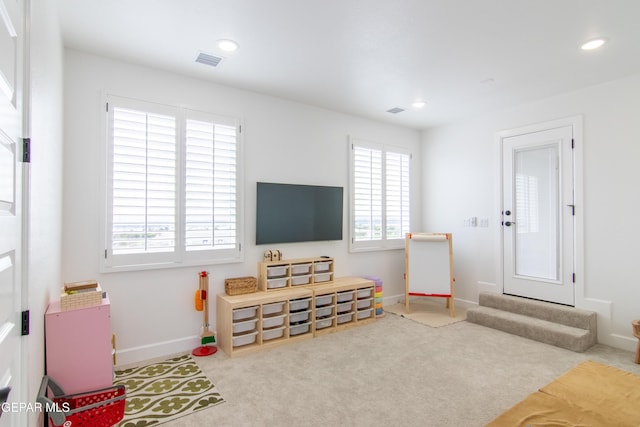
column 78, row 347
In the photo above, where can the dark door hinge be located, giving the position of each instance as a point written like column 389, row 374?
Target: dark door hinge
column 26, row 150
column 573, row 277
column 25, row 323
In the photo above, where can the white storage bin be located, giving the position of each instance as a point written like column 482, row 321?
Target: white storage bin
column 301, row 316
column 244, row 339
column 319, row 267
column 345, row 296
column 273, row 308
column 323, row 300
column 244, row 326
column 277, row 283
column 345, row 307
column 300, row 280
column 345, row 318
column 299, row 329
column 365, row 314
column 273, row 321
column 244, row 313
column 322, row 277
column 277, row 271
column 365, row 293
column 324, row 312
column 324, row 323
column 299, row 304
column 365, row 303
column 272, row 334
column 301, row 268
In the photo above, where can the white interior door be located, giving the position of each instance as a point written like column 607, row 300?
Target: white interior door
column 11, row 50
column 538, row 215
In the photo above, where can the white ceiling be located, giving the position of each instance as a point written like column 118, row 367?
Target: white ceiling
column 364, row 57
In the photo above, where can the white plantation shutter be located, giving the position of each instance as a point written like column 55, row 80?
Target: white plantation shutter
column 380, row 201
column 367, row 194
column 172, row 187
column 143, row 182
column 397, row 195
column 210, row 185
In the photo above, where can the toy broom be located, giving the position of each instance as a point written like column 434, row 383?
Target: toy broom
column 202, row 305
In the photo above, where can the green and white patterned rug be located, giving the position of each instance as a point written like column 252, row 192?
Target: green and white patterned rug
column 161, row 392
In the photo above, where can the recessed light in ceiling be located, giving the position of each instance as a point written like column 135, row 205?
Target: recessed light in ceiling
column 228, row 45
column 418, row 104
column 593, row 43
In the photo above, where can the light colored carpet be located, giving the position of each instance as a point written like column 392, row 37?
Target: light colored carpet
column 393, row 372
column 163, row 391
column 429, row 311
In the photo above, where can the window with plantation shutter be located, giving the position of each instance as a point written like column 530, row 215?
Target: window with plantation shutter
column 210, row 186
column 172, row 187
column 367, row 194
column 380, row 201
column 143, row 182
column 397, row 195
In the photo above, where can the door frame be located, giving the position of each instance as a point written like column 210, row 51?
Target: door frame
column 576, row 122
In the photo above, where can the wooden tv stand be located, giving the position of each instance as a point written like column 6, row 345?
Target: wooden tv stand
column 265, row 319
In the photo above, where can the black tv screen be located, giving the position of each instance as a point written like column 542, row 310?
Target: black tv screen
column 298, row 213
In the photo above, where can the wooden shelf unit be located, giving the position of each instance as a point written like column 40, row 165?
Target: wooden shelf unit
column 352, row 304
column 293, row 273
column 268, row 324
column 226, row 305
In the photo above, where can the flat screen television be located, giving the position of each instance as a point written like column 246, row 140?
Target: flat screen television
column 289, row 213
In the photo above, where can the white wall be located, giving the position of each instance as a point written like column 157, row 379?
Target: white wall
column 461, row 179
column 152, row 311
column 45, row 198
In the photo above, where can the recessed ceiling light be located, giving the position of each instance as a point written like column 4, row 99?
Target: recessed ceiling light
column 593, row 44
column 227, row 45
column 418, row 104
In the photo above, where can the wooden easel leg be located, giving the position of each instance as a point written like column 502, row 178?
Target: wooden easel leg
column 452, row 307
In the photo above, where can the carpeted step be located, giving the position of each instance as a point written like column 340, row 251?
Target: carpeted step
column 559, row 325
column 556, row 313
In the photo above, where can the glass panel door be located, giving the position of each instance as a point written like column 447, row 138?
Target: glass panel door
column 536, row 212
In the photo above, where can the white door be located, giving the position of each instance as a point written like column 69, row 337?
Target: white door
column 538, row 215
column 11, row 51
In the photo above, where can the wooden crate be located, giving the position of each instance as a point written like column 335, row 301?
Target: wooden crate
column 240, row 285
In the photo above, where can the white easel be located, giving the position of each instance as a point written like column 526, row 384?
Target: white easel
column 429, row 267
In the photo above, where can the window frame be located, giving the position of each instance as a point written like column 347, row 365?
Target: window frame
column 179, row 257
column 384, row 243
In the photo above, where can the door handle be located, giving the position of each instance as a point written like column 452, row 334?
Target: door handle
column 508, row 223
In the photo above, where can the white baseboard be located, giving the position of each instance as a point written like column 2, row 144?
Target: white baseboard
column 488, row 287
column 396, row 299
column 127, row 356
column 623, row 342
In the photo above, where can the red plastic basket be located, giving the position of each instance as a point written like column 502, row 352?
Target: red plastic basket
column 97, row 408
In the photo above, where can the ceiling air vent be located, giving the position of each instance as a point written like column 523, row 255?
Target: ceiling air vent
column 395, row 110
column 210, row 60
